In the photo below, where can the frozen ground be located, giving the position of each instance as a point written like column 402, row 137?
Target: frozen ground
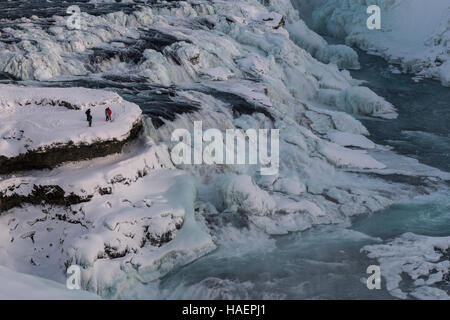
column 130, row 219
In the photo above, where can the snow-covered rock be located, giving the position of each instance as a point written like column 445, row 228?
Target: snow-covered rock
column 134, row 221
column 42, row 120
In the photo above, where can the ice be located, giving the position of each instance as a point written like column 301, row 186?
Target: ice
column 358, row 100
column 240, row 193
column 343, row 56
column 423, row 259
column 289, row 186
column 347, row 139
column 343, row 157
column 414, row 34
column 137, row 204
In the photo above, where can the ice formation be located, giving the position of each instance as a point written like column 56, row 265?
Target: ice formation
column 424, row 260
column 413, row 34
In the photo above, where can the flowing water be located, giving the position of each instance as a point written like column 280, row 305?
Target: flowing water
column 422, row 130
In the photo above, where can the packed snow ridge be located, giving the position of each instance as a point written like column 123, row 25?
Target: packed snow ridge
column 413, row 34
column 133, row 217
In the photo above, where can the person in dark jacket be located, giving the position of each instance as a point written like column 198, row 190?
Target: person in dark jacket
column 89, row 117
column 108, row 114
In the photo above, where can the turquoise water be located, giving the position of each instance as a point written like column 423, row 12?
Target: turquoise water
column 422, row 130
column 427, row 215
column 323, row 263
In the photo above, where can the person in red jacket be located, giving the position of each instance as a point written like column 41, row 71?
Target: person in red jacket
column 108, row 114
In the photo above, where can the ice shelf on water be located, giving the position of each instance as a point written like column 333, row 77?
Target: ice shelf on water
column 414, row 255
column 413, row 34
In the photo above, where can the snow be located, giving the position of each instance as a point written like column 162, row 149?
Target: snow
column 342, row 157
column 421, row 258
column 40, row 118
column 414, row 34
column 217, row 73
column 289, row 186
column 131, row 225
column 26, row 287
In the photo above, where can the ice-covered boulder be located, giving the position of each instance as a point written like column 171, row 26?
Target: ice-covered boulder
column 358, row 100
column 240, row 193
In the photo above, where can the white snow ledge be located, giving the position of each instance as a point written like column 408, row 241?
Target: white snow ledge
column 39, row 119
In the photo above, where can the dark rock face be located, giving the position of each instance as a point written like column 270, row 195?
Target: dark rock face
column 53, row 195
column 134, row 49
column 51, row 157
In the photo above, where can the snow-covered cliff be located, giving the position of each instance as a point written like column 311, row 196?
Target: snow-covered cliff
column 43, row 127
